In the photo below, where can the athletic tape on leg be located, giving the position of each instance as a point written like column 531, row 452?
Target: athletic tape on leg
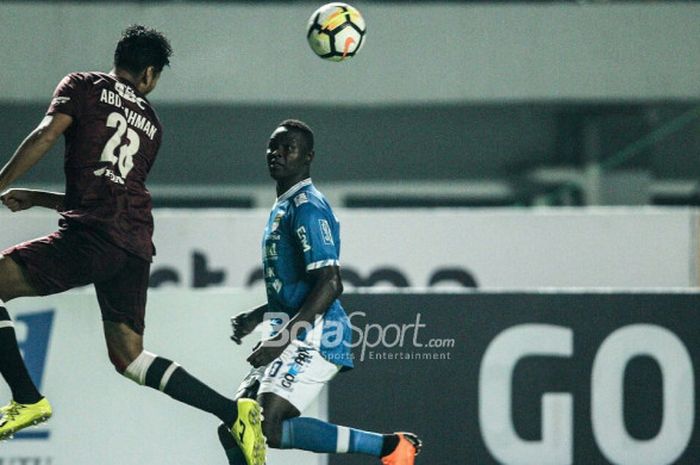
column 136, row 371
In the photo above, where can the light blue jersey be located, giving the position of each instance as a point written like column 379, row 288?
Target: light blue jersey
column 301, row 235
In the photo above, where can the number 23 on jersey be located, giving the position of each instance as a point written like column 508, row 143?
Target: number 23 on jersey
column 119, row 152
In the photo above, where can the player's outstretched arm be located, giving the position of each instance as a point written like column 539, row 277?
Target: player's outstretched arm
column 245, row 322
column 326, row 287
column 21, row 199
column 34, row 147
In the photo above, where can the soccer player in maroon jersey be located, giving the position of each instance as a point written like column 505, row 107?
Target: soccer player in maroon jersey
column 112, row 136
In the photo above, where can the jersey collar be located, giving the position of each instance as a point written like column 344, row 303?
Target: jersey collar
column 293, row 190
column 130, row 84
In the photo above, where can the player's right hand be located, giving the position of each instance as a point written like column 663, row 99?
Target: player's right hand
column 17, row 199
column 242, row 325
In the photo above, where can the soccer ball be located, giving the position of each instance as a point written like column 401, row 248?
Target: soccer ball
column 336, row 31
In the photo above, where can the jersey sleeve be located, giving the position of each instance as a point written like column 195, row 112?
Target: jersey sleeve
column 68, row 97
column 316, row 235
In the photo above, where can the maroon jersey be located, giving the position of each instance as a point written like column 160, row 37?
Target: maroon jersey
column 110, row 148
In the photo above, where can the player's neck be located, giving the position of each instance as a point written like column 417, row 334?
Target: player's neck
column 283, row 185
column 125, row 75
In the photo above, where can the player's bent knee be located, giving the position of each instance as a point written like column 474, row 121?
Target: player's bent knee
column 13, row 283
column 121, row 360
column 118, row 363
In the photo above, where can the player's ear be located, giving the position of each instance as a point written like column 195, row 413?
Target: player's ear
column 310, row 157
column 149, row 77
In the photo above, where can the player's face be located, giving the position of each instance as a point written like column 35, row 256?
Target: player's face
column 286, row 157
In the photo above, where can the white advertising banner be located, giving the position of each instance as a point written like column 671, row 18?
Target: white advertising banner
column 101, row 418
column 489, row 248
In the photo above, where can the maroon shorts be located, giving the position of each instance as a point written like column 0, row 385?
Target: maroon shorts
column 76, row 256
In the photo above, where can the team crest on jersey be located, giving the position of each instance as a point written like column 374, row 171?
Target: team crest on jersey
column 300, row 199
column 326, row 232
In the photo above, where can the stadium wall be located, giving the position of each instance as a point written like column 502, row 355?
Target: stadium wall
column 512, row 378
column 454, row 91
column 224, row 144
column 211, row 145
column 485, row 248
column 441, row 52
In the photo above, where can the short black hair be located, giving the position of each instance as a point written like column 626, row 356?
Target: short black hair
column 306, row 133
column 141, row 47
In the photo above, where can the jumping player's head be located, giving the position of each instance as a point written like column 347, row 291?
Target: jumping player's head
column 290, row 152
column 141, row 54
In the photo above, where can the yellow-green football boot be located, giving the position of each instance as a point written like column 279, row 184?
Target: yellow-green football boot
column 247, row 431
column 15, row 416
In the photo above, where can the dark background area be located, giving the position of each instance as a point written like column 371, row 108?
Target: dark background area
column 393, row 143
column 439, row 399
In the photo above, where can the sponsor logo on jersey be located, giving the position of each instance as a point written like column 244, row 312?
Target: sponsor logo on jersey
column 301, row 233
column 271, row 251
column 111, row 175
column 303, row 357
column 128, row 94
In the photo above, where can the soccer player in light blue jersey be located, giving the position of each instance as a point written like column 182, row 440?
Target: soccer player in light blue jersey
column 311, row 335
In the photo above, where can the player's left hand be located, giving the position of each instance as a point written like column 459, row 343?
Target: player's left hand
column 241, row 325
column 17, row 199
column 266, row 351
